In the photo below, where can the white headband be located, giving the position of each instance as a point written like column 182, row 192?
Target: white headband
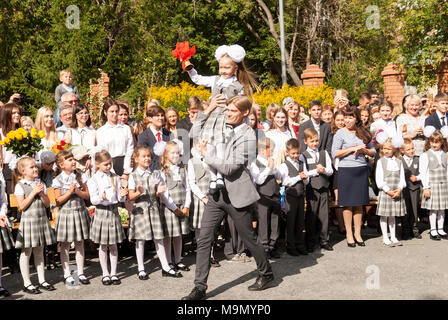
column 159, row 147
column 236, row 52
column 397, row 140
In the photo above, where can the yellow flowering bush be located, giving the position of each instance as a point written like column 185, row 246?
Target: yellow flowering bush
column 177, row 96
column 22, row 143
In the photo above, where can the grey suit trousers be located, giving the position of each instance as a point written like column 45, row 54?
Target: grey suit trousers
column 217, row 208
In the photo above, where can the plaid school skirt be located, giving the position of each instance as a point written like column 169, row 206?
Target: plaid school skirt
column 106, row 225
column 73, row 221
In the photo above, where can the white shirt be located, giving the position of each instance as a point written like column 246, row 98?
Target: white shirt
column 387, row 126
column 259, row 177
column 209, row 82
column 118, row 141
column 391, row 166
column 315, row 154
column 8, row 156
column 440, row 115
column 288, row 181
column 3, row 198
column 174, row 171
column 18, row 191
column 424, row 169
column 67, row 181
column 83, row 136
column 316, row 126
column 412, row 124
column 100, row 183
column 191, row 174
column 280, row 138
column 145, row 173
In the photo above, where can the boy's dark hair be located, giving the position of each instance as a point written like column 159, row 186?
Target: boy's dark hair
column 154, row 110
column 364, row 95
column 314, row 103
column 441, row 96
column 292, row 144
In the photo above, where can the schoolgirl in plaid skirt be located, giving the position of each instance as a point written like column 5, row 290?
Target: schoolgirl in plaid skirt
column 390, row 181
column 106, row 229
column 433, row 171
column 233, row 79
column 35, row 231
column 176, row 199
column 73, row 219
column 6, row 240
column 146, row 221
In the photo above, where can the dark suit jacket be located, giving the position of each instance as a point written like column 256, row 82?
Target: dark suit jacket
column 185, row 123
column 433, row 120
column 325, row 136
column 147, row 139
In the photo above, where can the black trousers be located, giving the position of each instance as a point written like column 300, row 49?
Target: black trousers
column 268, row 220
column 233, row 242
column 295, row 222
column 316, row 218
column 409, row 221
column 217, row 208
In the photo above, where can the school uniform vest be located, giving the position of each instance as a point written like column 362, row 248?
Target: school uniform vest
column 201, row 176
column 413, row 169
column 270, row 186
column 437, row 174
column 392, row 178
column 228, row 92
column 176, row 189
column 320, row 181
column 298, row 189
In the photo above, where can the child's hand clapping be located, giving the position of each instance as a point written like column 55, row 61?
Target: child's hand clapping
column 427, row 193
column 123, row 192
column 271, row 163
column 72, row 188
column 303, row 175
column 320, row 169
column 413, row 178
column 38, row 188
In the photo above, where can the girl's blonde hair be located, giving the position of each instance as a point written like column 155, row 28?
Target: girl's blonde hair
column 397, row 152
column 136, row 153
column 164, row 162
column 102, row 156
column 17, row 174
column 436, row 137
column 62, row 156
column 245, row 77
column 26, row 118
column 50, row 134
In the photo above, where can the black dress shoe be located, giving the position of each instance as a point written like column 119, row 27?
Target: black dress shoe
column 361, row 244
column 292, row 252
column 45, row 285
column 106, row 281
column 82, row 278
column 195, row 294
column 274, row 254
column 436, row 237
column 115, row 280
column 351, row 245
column 142, row 275
column 32, row 291
column 261, row 283
column 443, row 236
column 4, row 292
column 327, row 247
column 171, row 273
column 181, row 266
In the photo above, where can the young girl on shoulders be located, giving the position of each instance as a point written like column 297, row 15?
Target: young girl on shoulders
column 390, row 181
column 145, row 185
column 73, row 219
column 106, row 228
column 35, row 231
column 433, row 172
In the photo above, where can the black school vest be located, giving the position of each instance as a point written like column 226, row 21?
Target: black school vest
column 298, row 189
column 413, row 169
column 320, row 181
column 270, row 186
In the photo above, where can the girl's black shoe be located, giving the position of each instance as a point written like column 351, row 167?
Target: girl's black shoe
column 32, row 291
column 171, row 273
column 45, row 285
column 351, row 245
column 181, row 266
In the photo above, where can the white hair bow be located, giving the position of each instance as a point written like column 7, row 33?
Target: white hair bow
column 429, row 130
column 236, row 52
column 159, row 147
column 397, row 139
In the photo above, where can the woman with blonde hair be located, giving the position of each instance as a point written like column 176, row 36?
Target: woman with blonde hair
column 271, row 110
column 45, row 122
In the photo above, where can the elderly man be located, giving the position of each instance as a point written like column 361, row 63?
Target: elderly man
column 66, row 116
column 235, row 199
column 67, row 99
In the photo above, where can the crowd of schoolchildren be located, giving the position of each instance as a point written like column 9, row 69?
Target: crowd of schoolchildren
column 342, row 154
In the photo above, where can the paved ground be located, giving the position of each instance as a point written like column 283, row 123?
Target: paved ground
column 417, row 270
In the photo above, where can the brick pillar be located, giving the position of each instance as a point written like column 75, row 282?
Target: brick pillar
column 393, row 78
column 97, row 96
column 442, row 77
column 102, row 87
column 313, row 76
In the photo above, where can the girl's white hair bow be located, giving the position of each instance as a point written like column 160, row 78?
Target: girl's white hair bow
column 429, row 130
column 236, row 52
column 159, row 147
column 397, row 139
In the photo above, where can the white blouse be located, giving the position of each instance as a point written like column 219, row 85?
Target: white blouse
column 83, row 136
column 101, row 182
column 209, row 82
column 3, row 197
column 424, row 169
column 144, row 173
column 387, row 126
column 67, row 180
column 118, row 141
column 191, row 174
column 412, row 124
column 18, row 191
column 288, row 181
column 258, row 176
column 391, row 166
column 8, row 156
column 175, row 174
column 280, row 138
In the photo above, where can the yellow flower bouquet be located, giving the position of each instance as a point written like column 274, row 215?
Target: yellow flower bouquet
column 22, row 142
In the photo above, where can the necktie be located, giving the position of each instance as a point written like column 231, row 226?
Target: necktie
column 443, row 121
column 158, row 137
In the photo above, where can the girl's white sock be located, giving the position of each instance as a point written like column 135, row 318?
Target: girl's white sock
column 24, row 262
column 383, row 225
column 391, row 223
column 79, row 247
column 440, row 220
column 38, row 254
column 65, row 247
column 161, row 253
column 113, row 255
column 433, row 222
column 102, row 253
column 140, row 252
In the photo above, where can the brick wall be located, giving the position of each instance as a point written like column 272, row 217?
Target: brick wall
column 442, row 77
column 313, row 76
column 393, row 78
